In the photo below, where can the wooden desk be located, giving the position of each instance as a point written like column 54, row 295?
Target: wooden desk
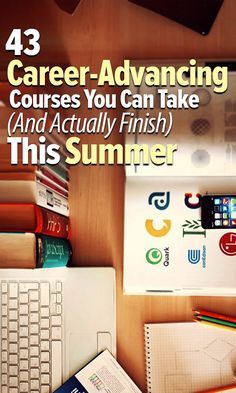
column 116, row 29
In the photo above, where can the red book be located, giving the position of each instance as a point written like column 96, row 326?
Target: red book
column 34, row 219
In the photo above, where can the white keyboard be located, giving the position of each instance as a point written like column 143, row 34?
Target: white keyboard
column 31, row 336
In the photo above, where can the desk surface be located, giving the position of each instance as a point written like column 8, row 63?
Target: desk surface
column 117, row 29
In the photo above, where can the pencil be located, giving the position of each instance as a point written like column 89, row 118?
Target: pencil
column 212, row 324
column 221, row 389
column 218, row 321
column 215, row 315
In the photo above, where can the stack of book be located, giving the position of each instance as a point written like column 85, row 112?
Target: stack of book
column 34, row 211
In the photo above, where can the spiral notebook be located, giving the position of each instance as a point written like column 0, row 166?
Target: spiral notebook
column 188, row 357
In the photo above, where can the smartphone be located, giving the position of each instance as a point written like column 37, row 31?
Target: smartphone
column 219, row 211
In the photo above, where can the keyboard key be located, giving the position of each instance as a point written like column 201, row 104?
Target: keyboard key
column 4, row 321
column 13, row 315
column 4, row 345
column 24, row 298
column 45, row 368
column 56, row 333
column 34, row 329
column 24, row 353
column 59, row 309
column 4, row 333
column 34, row 307
column 45, row 357
column 24, row 309
column 13, row 326
column 34, row 384
column 24, row 387
column 34, row 340
column 44, row 334
column 4, row 311
column 13, row 337
column 13, row 290
column 44, row 294
column 59, row 286
column 4, row 379
column 45, row 323
column 13, row 381
column 13, row 359
column 54, row 298
column 45, row 379
column 24, row 342
column 24, row 376
column 4, row 356
column 45, row 312
column 34, row 373
column 54, row 309
column 45, row 345
column 34, row 351
column 34, row 362
column 24, row 320
column 24, row 365
column 45, row 389
column 4, row 368
column 4, row 299
column 56, row 365
column 23, row 331
column 13, row 348
column 34, row 318
column 59, row 298
column 56, row 320
column 34, row 295
column 4, row 389
column 13, row 370
column 4, row 287
column 13, row 304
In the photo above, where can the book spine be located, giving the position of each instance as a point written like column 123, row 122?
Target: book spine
column 52, row 252
column 54, row 177
column 59, row 170
column 44, row 180
column 147, row 339
column 49, row 199
column 51, row 224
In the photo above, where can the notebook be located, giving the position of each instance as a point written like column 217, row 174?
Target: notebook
column 166, row 250
column 188, row 357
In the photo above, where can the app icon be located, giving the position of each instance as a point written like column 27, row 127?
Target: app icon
column 217, row 201
column 226, row 223
column 217, row 223
column 233, row 214
column 224, row 208
column 225, row 201
column 233, row 223
column 217, row 215
column 217, row 208
column 225, row 215
column 228, row 244
column 154, row 256
column 233, row 201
